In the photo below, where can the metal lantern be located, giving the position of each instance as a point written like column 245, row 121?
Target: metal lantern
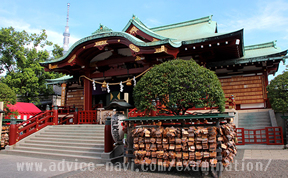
column 104, row 84
column 128, row 82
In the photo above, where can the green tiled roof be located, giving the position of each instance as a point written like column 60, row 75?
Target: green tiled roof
column 58, row 80
column 210, row 37
column 182, row 24
column 178, row 34
column 256, row 53
column 137, row 23
column 102, row 29
column 193, row 29
column 264, row 49
column 131, row 38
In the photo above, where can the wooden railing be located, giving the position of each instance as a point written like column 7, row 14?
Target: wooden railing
column 87, row 117
column 268, row 135
column 34, row 124
column 56, row 116
column 67, row 114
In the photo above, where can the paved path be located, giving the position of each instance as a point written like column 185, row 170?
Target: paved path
column 248, row 163
column 266, row 154
column 13, row 166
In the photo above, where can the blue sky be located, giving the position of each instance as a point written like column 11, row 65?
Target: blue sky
column 263, row 21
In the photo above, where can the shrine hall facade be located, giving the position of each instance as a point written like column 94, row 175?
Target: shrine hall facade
column 107, row 64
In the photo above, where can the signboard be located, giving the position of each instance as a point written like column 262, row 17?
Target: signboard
column 63, row 94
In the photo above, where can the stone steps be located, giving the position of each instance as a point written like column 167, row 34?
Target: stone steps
column 254, row 120
column 83, row 143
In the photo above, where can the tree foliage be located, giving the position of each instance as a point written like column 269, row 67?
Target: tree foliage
column 278, row 92
column 8, row 96
column 179, row 85
column 20, row 54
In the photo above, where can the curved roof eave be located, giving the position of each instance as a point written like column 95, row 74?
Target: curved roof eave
column 144, row 29
column 63, row 78
column 244, row 60
column 216, row 36
column 181, row 24
column 129, row 37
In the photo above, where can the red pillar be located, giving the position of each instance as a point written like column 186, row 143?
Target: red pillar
column 153, row 112
column 13, row 132
column 75, row 118
column 55, row 115
column 108, row 144
column 265, row 73
column 87, row 95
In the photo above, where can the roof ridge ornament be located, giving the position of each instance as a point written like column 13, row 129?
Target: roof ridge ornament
column 134, row 17
column 102, row 29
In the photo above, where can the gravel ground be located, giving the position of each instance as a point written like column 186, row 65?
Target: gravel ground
column 240, row 168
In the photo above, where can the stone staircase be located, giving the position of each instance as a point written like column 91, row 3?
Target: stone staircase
column 80, row 143
column 254, row 120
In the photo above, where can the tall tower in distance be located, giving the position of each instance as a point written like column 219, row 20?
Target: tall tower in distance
column 66, row 34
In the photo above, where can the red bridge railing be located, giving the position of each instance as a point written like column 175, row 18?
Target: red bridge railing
column 56, row 116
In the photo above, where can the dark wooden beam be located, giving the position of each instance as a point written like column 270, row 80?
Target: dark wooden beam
column 119, row 72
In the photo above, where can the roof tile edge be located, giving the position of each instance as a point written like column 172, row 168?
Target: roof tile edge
column 186, row 23
column 261, row 45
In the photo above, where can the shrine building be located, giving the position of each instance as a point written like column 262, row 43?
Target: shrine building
column 106, row 65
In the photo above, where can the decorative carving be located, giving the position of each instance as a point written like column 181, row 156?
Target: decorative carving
column 100, row 43
column 161, row 49
column 72, row 58
column 138, row 58
column 53, row 66
column 102, row 29
column 133, row 30
column 134, row 48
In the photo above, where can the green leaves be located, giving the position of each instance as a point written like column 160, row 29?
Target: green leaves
column 179, row 85
column 8, row 96
column 278, row 93
column 20, row 54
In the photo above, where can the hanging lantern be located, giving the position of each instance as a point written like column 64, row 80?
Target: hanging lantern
column 104, row 84
column 128, row 82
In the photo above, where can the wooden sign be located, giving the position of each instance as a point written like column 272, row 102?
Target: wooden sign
column 63, row 94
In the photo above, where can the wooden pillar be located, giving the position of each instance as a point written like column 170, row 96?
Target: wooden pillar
column 63, row 94
column 12, row 131
column 108, row 139
column 75, row 118
column 1, row 118
column 87, row 95
column 265, row 82
column 55, row 115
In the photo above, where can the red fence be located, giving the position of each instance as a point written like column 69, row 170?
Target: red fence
column 87, row 117
column 56, row 116
column 268, row 135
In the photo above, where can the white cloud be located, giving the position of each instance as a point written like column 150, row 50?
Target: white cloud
column 153, row 22
column 19, row 25
column 270, row 15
